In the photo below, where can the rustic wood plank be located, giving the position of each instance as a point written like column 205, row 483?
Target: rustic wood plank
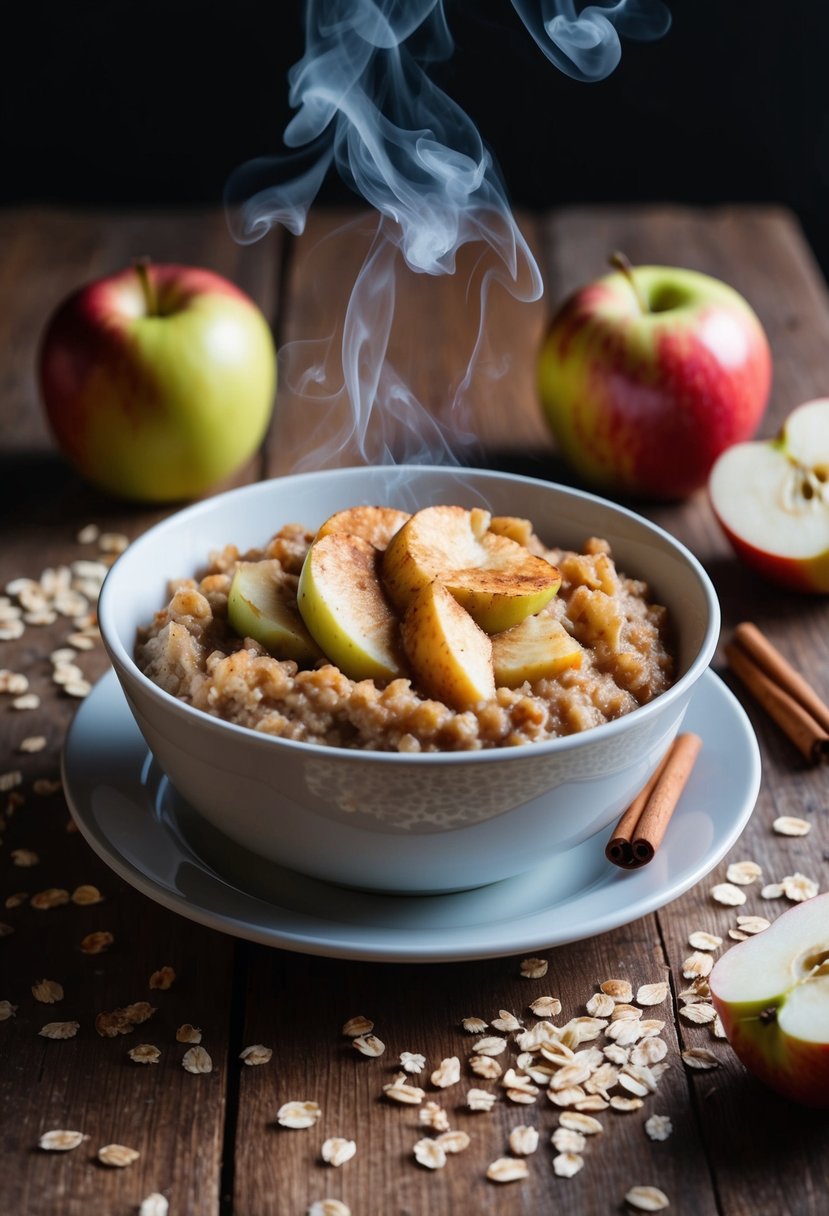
column 175, row 1119
column 761, row 252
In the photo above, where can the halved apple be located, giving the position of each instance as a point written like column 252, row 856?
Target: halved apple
column 259, row 606
column 450, row 657
column 377, row 525
column 772, row 500
column 772, row 993
column 345, row 608
column 495, row 579
column 537, row 648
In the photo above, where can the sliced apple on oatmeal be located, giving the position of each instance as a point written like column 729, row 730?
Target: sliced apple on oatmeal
column 377, row 525
column 262, row 607
column 494, row 578
column 450, row 656
column 540, row 647
column 345, row 608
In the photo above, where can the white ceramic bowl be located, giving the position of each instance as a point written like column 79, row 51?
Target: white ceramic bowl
column 386, row 821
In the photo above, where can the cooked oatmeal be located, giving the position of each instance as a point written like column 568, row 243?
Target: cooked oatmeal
column 191, row 651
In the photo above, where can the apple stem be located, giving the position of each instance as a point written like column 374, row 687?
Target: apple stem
column 620, row 261
column 768, row 1015
column 142, row 269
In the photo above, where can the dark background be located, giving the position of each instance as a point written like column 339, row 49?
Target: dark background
column 123, row 102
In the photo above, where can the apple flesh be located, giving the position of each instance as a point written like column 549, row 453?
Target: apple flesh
column 345, row 609
column 377, row 525
column 772, row 994
column 647, row 375
column 450, row 656
column 772, row 500
column 538, row 648
column 259, row 606
column 158, row 382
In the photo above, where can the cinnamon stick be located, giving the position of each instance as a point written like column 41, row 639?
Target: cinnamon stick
column 767, row 656
column 802, row 728
column 640, row 830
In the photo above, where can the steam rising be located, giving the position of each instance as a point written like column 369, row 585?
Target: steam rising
column 365, row 103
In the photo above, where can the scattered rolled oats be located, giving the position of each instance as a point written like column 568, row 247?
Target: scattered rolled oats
column 717, row 1028
column 298, row 1114
column 10, row 781
column 534, row 968
column 753, row 924
column 113, row 542
column 66, row 673
column 658, row 1127
column 400, row 1090
column 625, row 1011
column 140, row 1011
column 546, row 1006
column 576, row 1122
column 790, row 825
column 81, row 641
column 63, row 657
column 453, row 1142
column 59, row 1030
column 328, row 1207
column 47, row 991
column 434, row 1116
column 697, row 964
column 619, row 990
column 7, row 1010
column 52, row 897
column 507, row 1169
column 411, row 1061
column 566, row 1140
column 429, row 1153
column 188, row 1034
column 336, row 1150
column 474, row 1025
column 523, row 1140
column 727, row 893
column 78, row 688
column 45, row 786
column 118, row 1155
column 567, row 1097
column 110, row 1025
column 506, row 1021
column 699, row 1012
column 86, row 894
column 592, row 1102
column 144, row 1053
column 485, row 1066
column 13, row 683
column 88, row 534
column 698, row 1057
column 797, row 887
column 652, row 994
column 256, row 1054
column 163, row 978
column 24, row 858
column 32, row 744
column 480, row 1099
column 700, row 940
column 772, row 890
column 600, row 1005
column 368, row 1045
column 60, row 1141
column 98, row 942
column 491, row 1045
column 196, row 1060
column 154, row 1205
column 357, row 1026
column 647, row 1198
column 565, row 1165
column 744, row 873
column 649, row 1051
column 626, row 1104
column 447, row 1073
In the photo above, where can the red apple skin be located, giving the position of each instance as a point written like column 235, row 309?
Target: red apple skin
column 644, row 404
column 798, row 574
column 157, row 404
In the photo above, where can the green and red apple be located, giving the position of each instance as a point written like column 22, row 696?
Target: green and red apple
column 772, row 994
column 772, row 500
column 648, row 374
column 159, row 381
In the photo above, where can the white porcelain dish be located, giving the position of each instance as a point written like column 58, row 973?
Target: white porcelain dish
column 404, row 823
column 133, row 819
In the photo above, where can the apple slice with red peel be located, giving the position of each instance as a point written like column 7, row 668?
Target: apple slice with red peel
column 772, row 500
column 772, row 993
column 538, row 648
column 377, row 525
column 261, row 607
column 345, row 608
column 494, row 578
column 450, row 656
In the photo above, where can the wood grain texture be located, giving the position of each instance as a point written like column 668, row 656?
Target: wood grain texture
column 176, row 1120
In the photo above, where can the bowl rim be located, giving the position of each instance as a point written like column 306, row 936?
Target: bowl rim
column 127, row 668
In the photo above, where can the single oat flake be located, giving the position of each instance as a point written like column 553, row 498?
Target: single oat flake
column 59, row 1030
column 506, row 1021
column 698, row 1057
column 480, row 1099
column 196, row 1060
column 580, row 1123
column 647, row 1199
column 447, row 1073
column 507, row 1169
column 52, row 897
column 47, row 991
column 144, row 1053
column 566, row 1140
column 743, row 873
column 797, row 887
column 188, row 1034
column 546, row 1006
column 328, row 1207
column 118, row 1155
column 298, row 1114
column 700, row 940
column 400, row 1090
column 658, row 1127
column 491, row 1045
column 256, row 1054
column 752, row 924
column 534, row 968
column 32, row 744
column 485, row 1066
column 85, row 895
column 60, row 1141
column 412, row 1061
column 619, row 990
column 368, row 1045
column 523, row 1140
column 727, row 893
column 429, row 1153
column 7, row 1010
column 154, row 1205
column 453, row 1142
column 336, row 1150
column 565, row 1165
column 790, row 825
column 98, row 942
column 163, row 978
column 357, row 1026
column 138, row 1012
column 434, row 1116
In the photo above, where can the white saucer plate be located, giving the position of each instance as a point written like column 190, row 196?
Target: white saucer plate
column 137, row 823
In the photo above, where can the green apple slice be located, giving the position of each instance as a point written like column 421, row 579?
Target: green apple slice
column 450, row 656
column 259, row 606
column 538, row 648
column 498, row 581
column 345, row 608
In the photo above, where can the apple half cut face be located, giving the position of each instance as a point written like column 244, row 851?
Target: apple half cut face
column 772, row 993
column 772, row 500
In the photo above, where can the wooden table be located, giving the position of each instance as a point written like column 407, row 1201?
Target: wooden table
column 210, row 1143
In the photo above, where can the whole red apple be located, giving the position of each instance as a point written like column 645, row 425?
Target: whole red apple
column 648, row 374
column 772, row 500
column 772, row 993
column 158, row 381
